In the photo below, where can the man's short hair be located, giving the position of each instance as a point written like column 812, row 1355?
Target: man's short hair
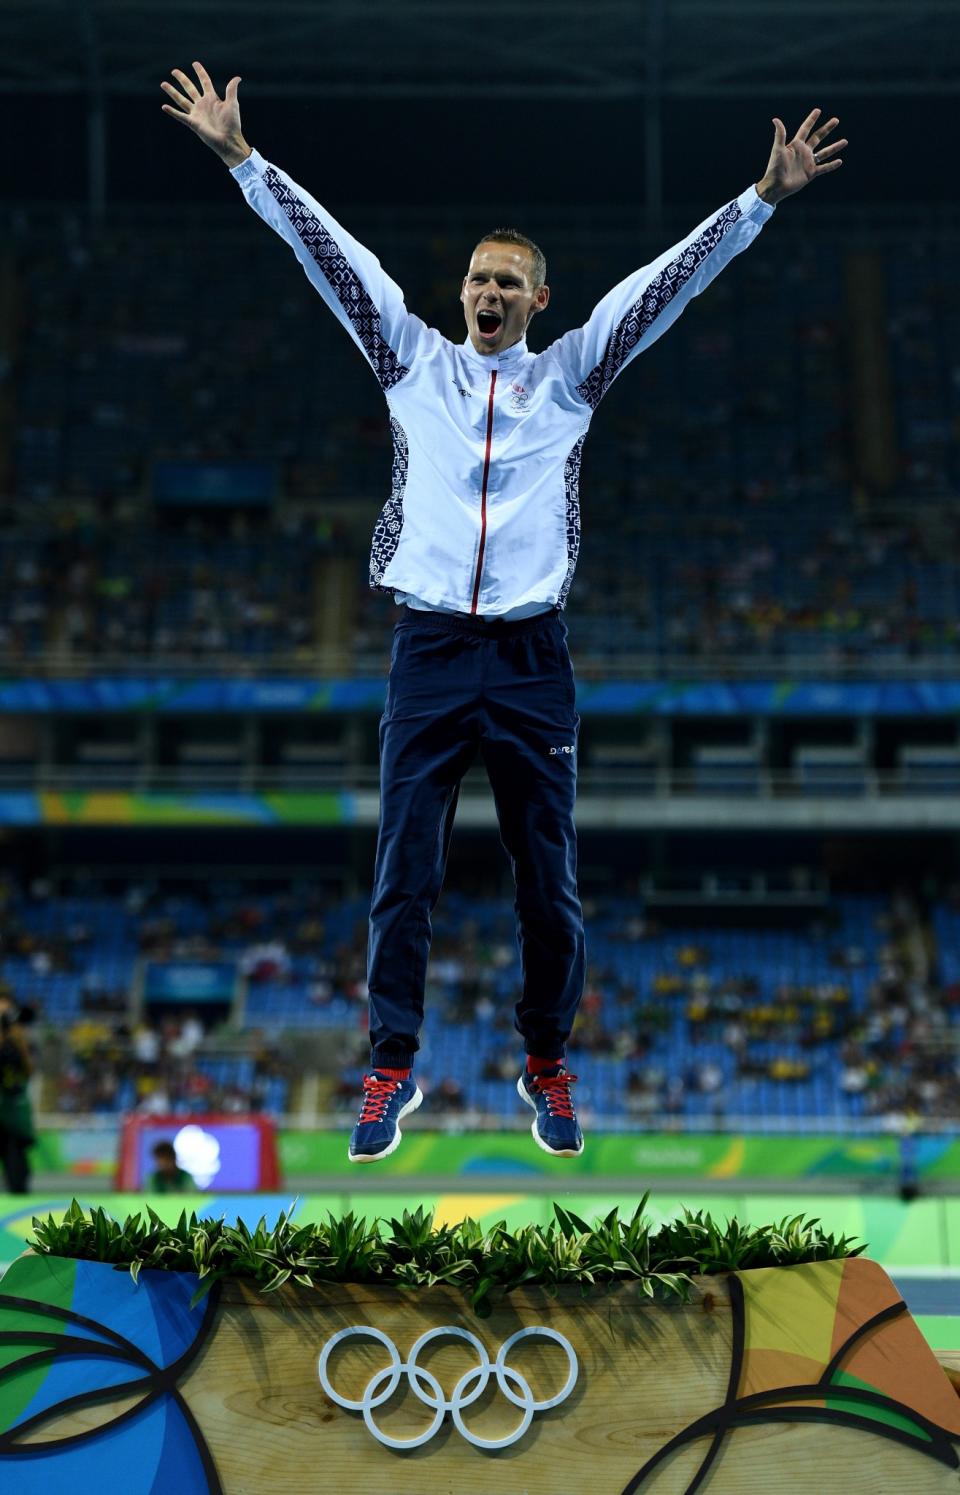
column 514, row 236
column 164, row 1150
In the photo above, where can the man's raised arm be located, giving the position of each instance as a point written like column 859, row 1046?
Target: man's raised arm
column 348, row 277
column 638, row 310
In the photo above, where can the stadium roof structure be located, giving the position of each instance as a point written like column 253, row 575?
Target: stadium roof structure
column 489, row 49
column 482, row 51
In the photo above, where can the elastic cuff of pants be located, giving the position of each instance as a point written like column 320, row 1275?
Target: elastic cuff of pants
column 380, row 1060
column 538, row 1048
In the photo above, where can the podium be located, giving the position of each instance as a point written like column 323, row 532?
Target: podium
column 778, row 1379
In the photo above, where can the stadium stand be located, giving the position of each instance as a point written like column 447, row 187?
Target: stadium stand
column 785, row 552
column 743, row 515
column 852, row 1019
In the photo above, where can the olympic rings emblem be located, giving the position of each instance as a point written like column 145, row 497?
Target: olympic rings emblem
column 425, row 1386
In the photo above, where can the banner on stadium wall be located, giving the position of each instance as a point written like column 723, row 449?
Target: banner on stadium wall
column 214, row 484
column 120, row 807
column 194, row 983
column 92, row 1152
column 623, row 1156
column 665, row 698
column 83, row 1152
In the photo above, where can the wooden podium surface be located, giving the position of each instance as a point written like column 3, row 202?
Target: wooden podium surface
column 808, row 1377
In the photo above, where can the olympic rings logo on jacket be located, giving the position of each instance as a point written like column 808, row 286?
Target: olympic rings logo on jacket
column 425, row 1386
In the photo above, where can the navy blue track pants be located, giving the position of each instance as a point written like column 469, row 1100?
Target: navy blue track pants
column 459, row 685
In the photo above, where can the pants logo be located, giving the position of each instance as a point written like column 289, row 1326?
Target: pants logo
column 556, row 750
column 425, row 1386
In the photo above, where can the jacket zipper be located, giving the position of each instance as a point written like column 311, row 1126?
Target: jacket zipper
column 483, row 494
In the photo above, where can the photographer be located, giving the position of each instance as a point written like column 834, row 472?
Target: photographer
column 16, row 1121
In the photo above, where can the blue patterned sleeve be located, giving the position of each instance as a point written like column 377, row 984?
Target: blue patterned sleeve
column 635, row 313
column 349, row 278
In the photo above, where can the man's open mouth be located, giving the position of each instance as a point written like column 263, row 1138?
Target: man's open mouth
column 488, row 323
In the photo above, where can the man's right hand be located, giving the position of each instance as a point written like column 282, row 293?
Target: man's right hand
column 216, row 121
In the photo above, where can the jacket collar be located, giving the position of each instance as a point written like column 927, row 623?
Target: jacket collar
column 495, row 360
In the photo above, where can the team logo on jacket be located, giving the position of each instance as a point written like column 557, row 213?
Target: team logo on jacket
column 519, row 398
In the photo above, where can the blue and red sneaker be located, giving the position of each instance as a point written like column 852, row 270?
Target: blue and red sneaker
column 377, row 1132
column 555, row 1128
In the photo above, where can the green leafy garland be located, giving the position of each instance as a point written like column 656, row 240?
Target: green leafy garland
column 412, row 1252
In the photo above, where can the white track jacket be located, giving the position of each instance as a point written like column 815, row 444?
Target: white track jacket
column 484, row 514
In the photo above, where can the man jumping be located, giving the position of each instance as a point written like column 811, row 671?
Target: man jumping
column 479, row 539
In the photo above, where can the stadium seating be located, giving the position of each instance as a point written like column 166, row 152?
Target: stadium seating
column 691, row 1026
column 738, row 421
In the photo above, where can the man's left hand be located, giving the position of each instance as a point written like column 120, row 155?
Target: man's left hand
column 796, row 162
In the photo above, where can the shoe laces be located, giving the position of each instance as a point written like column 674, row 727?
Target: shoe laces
column 556, row 1090
column 376, row 1096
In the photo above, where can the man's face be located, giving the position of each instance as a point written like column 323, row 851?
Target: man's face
column 499, row 295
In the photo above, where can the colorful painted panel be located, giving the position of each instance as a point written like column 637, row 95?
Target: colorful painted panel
column 830, row 1342
column 77, row 1335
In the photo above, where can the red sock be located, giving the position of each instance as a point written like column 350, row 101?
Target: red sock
column 537, row 1066
column 392, row 1074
